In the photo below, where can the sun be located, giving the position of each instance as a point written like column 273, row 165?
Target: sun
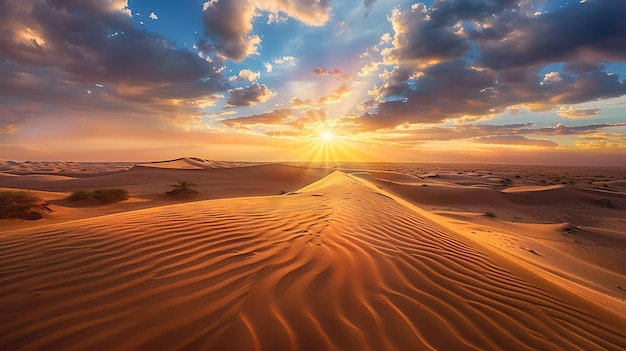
column 327, row 136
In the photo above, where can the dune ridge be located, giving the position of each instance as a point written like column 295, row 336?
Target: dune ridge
column 337, row 265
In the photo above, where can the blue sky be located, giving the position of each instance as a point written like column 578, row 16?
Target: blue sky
column 443, row 80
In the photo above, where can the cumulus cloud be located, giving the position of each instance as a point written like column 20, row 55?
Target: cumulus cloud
column 268, row 67
column 462, row 59
column 418, row 38
column 249, row 75
column 572, row 112
column 153, row 16
column 242, row 97
column 575, row 30
column 283, row 59
column 228, row 25
column 52, row 50
column 517, row 140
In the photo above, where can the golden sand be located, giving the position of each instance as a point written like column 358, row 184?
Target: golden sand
column 342, row 260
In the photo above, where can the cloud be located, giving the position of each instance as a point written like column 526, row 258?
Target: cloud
column 269, row 118
column 487, row 133
column 276, row 18
column 249, row 75
column 562, row 129
column 517, row 140
column 311, row 121
column 417, row 38
column 336, row 96
column 435, row 77
column 324, row 72
column 268, row 67
column 153, row 16
column 572, row 112
column 283, row 59
column 312, row 13
column 594, row 29
column 55, row 51
column 454, row 132
column 228, row 24
column 7, row 128
column 241, row 97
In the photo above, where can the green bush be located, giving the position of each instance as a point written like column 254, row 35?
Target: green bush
column 20, row 204
column 80, row 195
column 106, row 196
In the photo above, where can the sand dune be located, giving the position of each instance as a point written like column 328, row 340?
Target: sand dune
column 195, row 163
column 341, row 264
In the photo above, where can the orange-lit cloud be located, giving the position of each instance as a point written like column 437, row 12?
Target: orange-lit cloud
column 572, row 112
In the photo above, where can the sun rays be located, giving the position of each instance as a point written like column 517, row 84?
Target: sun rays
column 327, row 136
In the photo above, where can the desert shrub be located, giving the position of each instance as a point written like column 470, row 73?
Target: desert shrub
column 490, row 214
column 20, row 204
column 80, row 195
column 110, row 195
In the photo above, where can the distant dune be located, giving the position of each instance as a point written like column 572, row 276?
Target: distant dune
column 366, row 259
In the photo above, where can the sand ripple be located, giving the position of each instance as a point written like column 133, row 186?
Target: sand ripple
column 347, row 269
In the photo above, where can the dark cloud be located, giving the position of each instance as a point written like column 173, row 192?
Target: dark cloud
column 515, row 140
column 228, row 25
column 579, row 67
column 417, row 38
column 443, row 91
column 56, row 51
column 436, row 77
column 595, row 28
column 239, row 97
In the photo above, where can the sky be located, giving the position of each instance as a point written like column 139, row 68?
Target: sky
column 521, row 82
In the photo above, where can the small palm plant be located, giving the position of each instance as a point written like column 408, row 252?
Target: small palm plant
column 182, row 187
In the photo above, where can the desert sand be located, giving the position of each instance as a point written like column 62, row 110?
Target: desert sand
column 316, row 257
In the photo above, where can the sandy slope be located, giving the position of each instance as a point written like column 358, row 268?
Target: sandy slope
column 340, row 265
column 147, row 187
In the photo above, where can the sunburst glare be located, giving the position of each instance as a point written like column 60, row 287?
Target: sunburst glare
column 327, row 136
